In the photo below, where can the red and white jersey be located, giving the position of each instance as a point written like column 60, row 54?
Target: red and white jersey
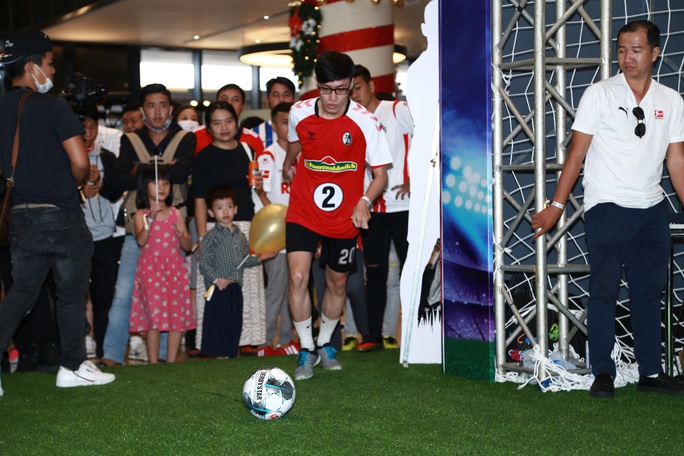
column 204, row 138
column 271, row 167
column 329, row 177
column 397, row 124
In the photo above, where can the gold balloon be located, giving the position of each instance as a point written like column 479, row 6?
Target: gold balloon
column 267, row 231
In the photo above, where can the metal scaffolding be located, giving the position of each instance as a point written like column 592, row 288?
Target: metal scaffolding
column 549, row 64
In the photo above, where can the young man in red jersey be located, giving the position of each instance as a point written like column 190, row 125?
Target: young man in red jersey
column 334, row 138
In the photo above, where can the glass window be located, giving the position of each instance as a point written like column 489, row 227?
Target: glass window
column 221, row 68
column 174, row 69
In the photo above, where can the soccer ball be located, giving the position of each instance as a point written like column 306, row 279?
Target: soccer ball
column 269, row 393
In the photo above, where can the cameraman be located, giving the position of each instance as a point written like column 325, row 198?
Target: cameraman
column 47, row 228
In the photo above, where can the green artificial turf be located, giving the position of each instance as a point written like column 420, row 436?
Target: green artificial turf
column 372, row 407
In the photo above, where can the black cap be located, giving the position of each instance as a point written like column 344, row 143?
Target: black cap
column 23, row 42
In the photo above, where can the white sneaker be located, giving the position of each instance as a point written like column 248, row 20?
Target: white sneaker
column 1, row 391
column 90, row 347
column 87, row 374
column 137, row 349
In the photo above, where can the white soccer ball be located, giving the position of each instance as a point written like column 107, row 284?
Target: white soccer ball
column 269, row 393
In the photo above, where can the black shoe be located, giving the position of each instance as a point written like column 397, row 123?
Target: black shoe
column 602, row 386
column 663, row 383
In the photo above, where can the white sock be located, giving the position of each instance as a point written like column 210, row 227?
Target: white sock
column 326, row 330
column 303, row 329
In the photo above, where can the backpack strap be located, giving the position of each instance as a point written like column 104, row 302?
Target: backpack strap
column 144, row 155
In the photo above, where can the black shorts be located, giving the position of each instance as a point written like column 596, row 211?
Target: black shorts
column 338, row 254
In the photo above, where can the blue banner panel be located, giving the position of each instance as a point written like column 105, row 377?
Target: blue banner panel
column 467, row 258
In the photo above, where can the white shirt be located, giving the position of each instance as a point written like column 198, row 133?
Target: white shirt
column 620, row 167
column 109, row 139
column 271, row 167
column 397, row 124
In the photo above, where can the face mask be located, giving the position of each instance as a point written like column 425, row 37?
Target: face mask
column 46, row 86
column 163, row 128
column 188, row 125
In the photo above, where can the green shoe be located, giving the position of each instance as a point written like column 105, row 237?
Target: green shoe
column 390, row 342
column 349, row 343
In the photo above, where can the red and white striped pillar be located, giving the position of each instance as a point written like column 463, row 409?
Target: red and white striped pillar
column 363, row 30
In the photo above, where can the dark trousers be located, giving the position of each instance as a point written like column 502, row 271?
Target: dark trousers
column 222, row 323
column 636, row 242
column 43, row 240
column 383, row 229
column 105, row 267
column 36, row 337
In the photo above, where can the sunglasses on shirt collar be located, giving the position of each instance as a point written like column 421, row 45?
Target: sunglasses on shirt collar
column 640, row 129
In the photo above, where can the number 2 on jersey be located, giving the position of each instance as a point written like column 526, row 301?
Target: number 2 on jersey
column 328, row 196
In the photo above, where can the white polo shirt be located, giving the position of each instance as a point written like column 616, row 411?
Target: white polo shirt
column 620, row 167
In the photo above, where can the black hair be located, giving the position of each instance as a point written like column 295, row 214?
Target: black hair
column 652, row 31
column 362, row 72
column 131, row 107
column 251, row 122
column 231, row 87
column 279, row 80
column 87, row 112
column 333, row 66
column 217, row 193
column 146, row 175
column 177, row 109
column 17, row 68
column 283, row 106
column 154, row 88
column 225, row 106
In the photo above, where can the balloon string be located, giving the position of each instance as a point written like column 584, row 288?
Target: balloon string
column 156, row 180
column 242, row 262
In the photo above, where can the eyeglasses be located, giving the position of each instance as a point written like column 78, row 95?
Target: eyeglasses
column 324, row 90
column 640, row 129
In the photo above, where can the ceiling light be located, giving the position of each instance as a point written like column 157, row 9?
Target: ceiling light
column 399, row 54
column 277, row 55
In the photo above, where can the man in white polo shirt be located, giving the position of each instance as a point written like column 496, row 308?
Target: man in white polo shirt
column 625, row 127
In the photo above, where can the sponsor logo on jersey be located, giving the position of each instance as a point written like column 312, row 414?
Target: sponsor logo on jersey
column 330, row 165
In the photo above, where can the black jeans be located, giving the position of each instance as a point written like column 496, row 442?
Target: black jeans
column 383, row 229
column 44, row 239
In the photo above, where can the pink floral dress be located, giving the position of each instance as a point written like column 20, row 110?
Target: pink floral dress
column 161, row 296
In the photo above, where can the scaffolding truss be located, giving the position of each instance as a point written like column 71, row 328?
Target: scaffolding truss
column 544, row 54
column 549, row 64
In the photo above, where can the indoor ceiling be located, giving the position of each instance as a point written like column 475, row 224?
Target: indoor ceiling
column 219, row 24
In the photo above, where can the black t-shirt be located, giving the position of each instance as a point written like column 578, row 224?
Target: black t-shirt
column 43, row 170
column 221, row 167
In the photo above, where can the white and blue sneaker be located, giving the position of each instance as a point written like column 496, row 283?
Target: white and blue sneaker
column 306, row 360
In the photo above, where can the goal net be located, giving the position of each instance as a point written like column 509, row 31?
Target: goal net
column 519, row 186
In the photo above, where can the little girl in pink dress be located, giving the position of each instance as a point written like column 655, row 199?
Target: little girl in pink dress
column 161, row 296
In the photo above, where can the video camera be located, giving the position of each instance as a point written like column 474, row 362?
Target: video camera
column 80, row 90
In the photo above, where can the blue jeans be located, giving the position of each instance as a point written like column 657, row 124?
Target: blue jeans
column 116, row 337
column 44, row 239
column 636, row 242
